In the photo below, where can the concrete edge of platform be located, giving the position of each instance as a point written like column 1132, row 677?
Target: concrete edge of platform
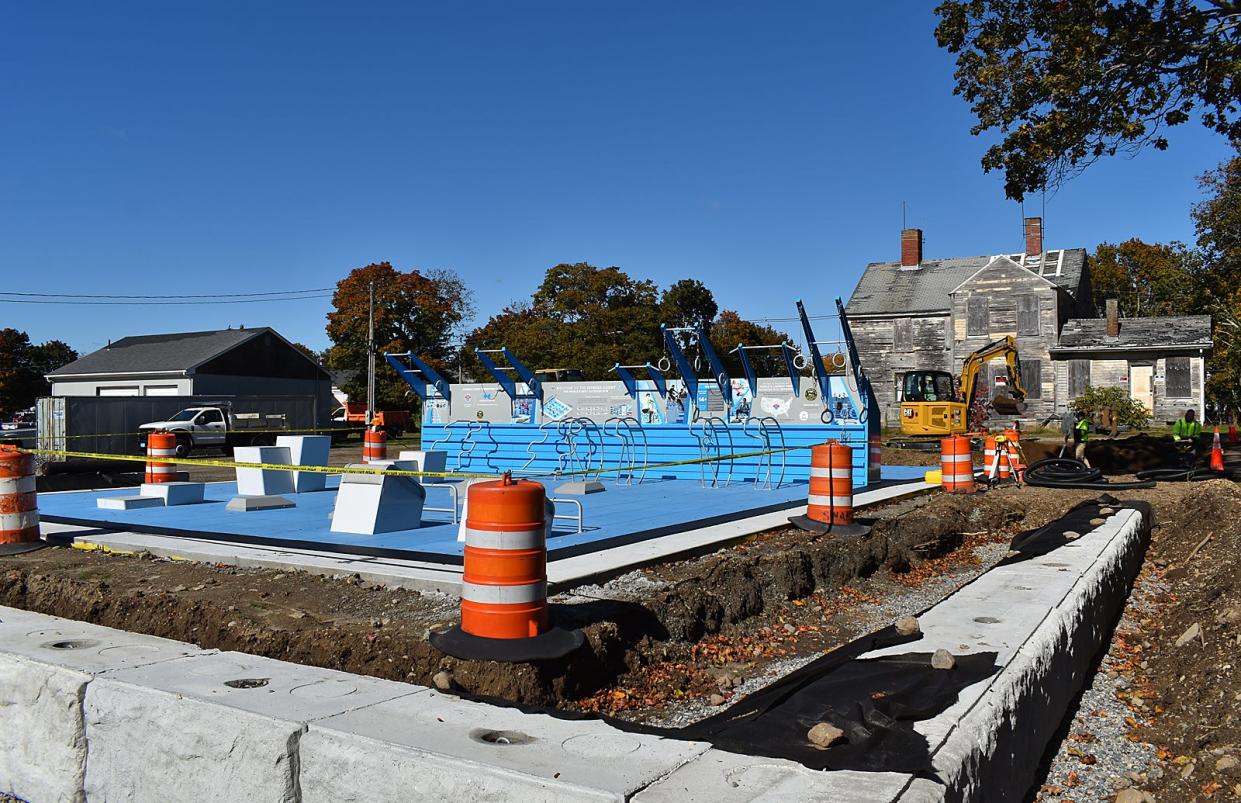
column 993, row 739
column 992, row 750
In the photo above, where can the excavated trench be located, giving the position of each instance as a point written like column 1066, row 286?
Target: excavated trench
column 358, row 627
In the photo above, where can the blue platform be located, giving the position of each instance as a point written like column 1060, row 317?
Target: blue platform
column 621, row 514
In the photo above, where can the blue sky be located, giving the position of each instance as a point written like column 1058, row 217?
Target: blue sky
column 165, row 148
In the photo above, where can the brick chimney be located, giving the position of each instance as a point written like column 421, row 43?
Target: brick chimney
column 911, row 248
column 1113, row 318
column 1034, row 236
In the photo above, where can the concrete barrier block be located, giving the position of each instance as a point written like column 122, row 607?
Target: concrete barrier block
column 46, row 664
column 718, row 776
column 263, row 481
column 433, row 746
column 131, row 502
column 369, row 504
column 174, row 493
column 435, row 460
column 224, row 726
column 307, row 450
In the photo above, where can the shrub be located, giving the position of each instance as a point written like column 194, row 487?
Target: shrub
column 1128, row 411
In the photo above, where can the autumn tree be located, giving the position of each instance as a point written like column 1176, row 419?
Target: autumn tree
column 1146, row 278
column 1066, row 83
column 730, row 330
column 414, row 311
column 581, row 317
column 23, row 366
column 1217, row 222
column 688, row 302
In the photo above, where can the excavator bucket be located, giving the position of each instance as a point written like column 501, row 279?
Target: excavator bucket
column 1007, row 405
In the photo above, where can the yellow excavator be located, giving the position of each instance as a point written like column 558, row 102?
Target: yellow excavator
column 932, row 405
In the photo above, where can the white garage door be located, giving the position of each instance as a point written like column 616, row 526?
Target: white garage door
column 127, row 390
column 160, row 390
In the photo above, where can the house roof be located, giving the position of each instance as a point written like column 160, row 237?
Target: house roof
column 171, row 353
column 1167, row 333
column 888, row 289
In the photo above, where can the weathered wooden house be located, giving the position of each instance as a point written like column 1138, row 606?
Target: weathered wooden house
column 920, row 314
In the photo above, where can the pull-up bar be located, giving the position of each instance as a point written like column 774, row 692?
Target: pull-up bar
column 751, row 377
column 421, row 376
column 631, row 382
column 501, row 375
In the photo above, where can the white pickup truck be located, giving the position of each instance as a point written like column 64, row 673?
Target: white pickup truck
column 217, row 427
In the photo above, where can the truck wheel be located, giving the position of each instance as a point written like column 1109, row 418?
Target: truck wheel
column 184, row 446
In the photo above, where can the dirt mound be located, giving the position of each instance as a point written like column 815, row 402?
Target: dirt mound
column 1114, row 455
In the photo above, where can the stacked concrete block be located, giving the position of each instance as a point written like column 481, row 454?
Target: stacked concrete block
column 307, row 450
column 223, row 726
column 435, row 747
column 434, row 461
column 46, row 664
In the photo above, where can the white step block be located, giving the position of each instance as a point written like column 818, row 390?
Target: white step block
column 128, row 502
column 263, row 481
column 174, row 493
column 307, row 450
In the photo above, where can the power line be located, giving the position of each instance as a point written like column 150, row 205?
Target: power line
column 159, row 303
column 179, row 295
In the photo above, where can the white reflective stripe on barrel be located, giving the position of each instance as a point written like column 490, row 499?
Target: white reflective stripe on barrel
column 161, row 452
column 17, row 485
column 512, row 539
column 830, row 501
column 955, row 458
column 19, row 521
column 831, row 473
column 158, row 468
column 504, row 594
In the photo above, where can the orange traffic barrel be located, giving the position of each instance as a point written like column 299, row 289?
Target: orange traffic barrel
column 504, row 613
column 161, row 445
column 374, row 445
column 19, row 507
column 957, row 465
column 829, row 503
column 504, row 588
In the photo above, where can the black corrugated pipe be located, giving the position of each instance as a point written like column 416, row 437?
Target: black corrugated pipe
column 1064, row 472
column 1183, row 474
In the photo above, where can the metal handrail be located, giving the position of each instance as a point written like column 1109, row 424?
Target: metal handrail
column 580, row 518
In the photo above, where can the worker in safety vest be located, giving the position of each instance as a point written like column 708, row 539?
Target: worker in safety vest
column 1081, row 433
column 1187, row 428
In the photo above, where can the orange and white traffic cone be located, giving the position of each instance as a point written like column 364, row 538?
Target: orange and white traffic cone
column 1217, row 453
column 1232, row 432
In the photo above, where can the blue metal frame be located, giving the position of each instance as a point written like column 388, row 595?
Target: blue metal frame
column 678, row 359
column 506, row 382
column 631, row 382
column 751, row 376
column 816, row 359
column 417, row 378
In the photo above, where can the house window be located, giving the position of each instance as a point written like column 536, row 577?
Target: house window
column 1027, row 315
column 1079, row 377
column 1177, row 381
column 1032, row 378
column 977, row 316
column 902, row 334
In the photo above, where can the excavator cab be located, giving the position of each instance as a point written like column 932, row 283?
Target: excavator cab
column 930, row 404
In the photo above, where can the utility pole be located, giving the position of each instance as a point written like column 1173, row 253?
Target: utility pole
column 370, row 360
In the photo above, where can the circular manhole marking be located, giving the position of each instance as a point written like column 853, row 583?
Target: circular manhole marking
column 500, row 737
column 72, row 644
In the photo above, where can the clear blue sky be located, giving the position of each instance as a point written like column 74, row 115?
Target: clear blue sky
column 762, row 148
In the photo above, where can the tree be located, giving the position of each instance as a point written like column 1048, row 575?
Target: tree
column 1217, row 271
column 581, row 317
column 688, row 303
column 308, row 351
column 1147, row 279
column 23, row 367
column 1128, row 411
column 1067, row 82
column 414, row 311
column 731, row 330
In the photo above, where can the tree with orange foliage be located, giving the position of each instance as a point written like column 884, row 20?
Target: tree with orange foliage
column 414, row 311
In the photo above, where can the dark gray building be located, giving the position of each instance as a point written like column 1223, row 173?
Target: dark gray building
column 225, row 362
column 929, row 314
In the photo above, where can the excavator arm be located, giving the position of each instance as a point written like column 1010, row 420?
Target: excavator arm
column 1005, row 347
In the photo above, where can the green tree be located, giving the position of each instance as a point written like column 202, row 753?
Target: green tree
column 1217, row 222
column 1129, row 411
column 581, row 317
column 414, row 311
column 688, row 302
column 23, row 367
column 1064, row 83
column 1146, row 278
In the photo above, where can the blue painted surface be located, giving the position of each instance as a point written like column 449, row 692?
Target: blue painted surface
column 526, row 448
column 622, row 513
